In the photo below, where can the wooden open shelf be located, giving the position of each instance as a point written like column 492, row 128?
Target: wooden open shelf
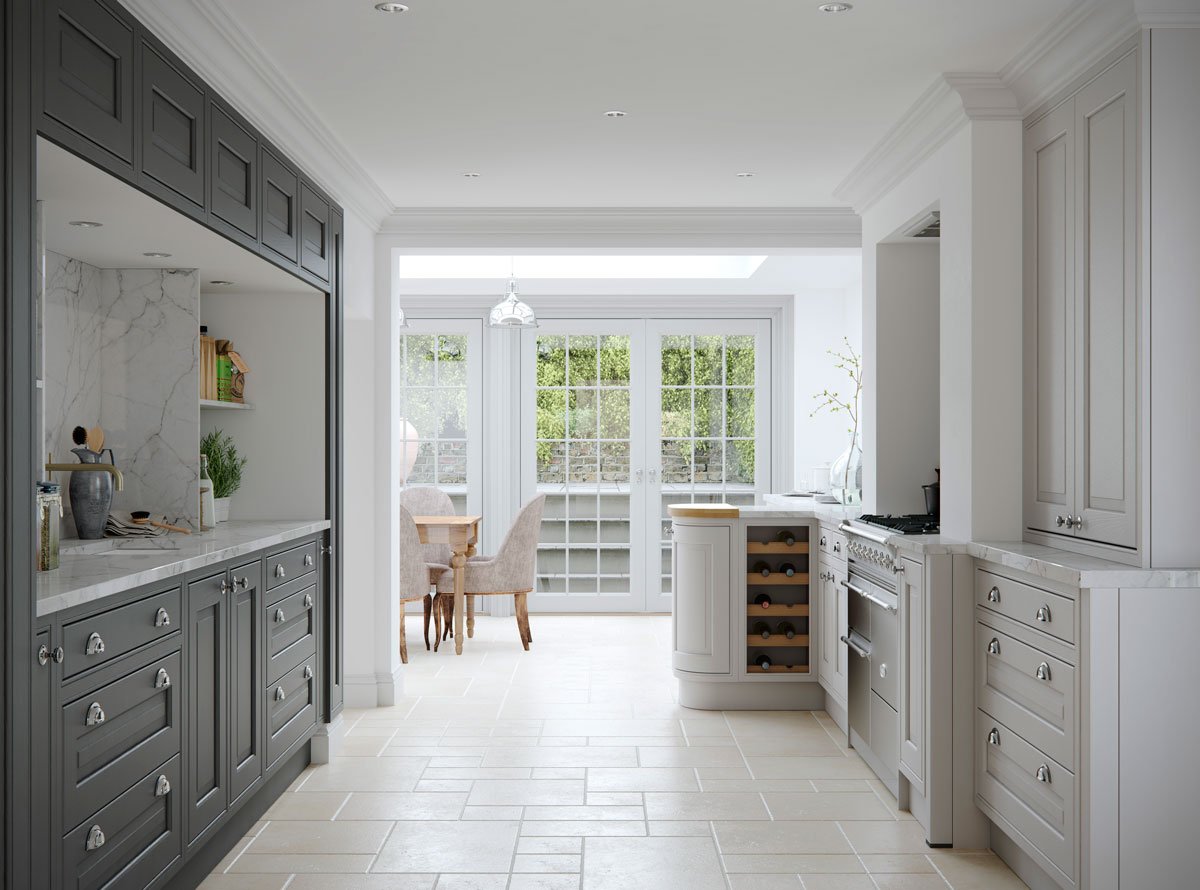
column 776, row 640
column 777, row 669
column 791, row 610
column 776, row 547
column 776, row 579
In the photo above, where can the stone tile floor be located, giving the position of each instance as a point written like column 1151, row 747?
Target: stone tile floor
column 571, row 766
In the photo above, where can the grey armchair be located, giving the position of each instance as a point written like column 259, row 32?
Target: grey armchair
column 414, row 576
column 427, row 501
column 511, row 571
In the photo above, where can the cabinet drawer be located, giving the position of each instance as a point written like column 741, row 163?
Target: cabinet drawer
column 283, row 567
column 112, row 733
column 1032, row 692
column 291, row 632
column 831, row 543
column 885, row 655
column 1041, row 811
column 1032, row 606
column 885, row 734
column 99, row 639
column 291, row 708
column 131, row 841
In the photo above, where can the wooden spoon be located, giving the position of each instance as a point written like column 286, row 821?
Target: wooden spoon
column 95, row 438
column 142, row 517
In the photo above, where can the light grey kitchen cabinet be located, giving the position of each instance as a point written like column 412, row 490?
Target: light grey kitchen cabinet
column 1081, row 377
column 832, row 623
column 913, row 617
column 700, row 619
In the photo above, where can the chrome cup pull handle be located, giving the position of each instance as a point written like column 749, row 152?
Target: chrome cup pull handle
column 994, row 647
column 1043, row 614
column 95, row 838
column 994, row 595
column 162, row 787
column 280, row 695
column 308, row 672
column 308, row 601
column 1042, row 672
column 162, row 618
column 279, row 616
column 95, row 644
column 1043, row 773
column 279, row 570
column 162, row 679
column 308, row 560
column 95, row 715
column 994, row 737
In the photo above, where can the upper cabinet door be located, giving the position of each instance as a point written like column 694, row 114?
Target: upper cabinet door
column 1049, row 320
column 233, row 177
column 314, row 232
column 172, row 130
column 1106, row 310
column 280, row 207
column 88, row 74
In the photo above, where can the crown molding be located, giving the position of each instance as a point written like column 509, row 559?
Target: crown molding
column 1168, row 13
column 796, row 227
column 203, row 34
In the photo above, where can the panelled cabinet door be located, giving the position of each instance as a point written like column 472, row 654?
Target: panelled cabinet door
column 841, row 661
column 172, row 128
column 207, row 751
column 233, row 176
column 914, row 625
column 700, row 592
column 280, row 206
column 88, row 73
column 1050, row 320
column 826, row 625
column 45, row 677
column 1106, row 311
column 314, row 232
column 246, row 705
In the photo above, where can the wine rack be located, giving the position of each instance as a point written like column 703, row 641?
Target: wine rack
column 777, row 599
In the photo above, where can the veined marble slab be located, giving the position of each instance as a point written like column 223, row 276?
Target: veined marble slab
column 1077, row 570
column 87, row 574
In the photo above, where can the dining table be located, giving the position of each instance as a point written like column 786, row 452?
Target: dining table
column 461, row 534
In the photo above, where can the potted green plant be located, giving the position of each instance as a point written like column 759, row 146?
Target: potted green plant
column 225, row 467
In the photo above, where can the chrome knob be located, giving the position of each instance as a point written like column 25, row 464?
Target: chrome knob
column 883, row 671
column 327, row 551
column 994, row 737
column 95, row 644
column 280, row 695
column 58, row 655
column 279, row 616
column 43, row 655
column 95, row 715
column 225, row 586
column 162, row 618
column 1043, row 614
column 242, row 582
column 162, row 787
column 994, row 647
column 1060, row 521
column 1043, row 773
column 837, row 548
column 308, row 560
column 162, row 679
column 1079, row 522
column 822, row 540
column 95, row 838
column 1042, row 672
column 279, row 570
column 308, row 672
column 308, row 601
column 994, row 595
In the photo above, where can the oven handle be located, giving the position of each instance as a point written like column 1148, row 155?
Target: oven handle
column 887, row 607
column 849, row 529
column 857, row 649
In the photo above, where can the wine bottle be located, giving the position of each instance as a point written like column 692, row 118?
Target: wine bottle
column 786, row 537
column 763, row 660
column 787, row 629
column 762, row 629
column 761, row 568
column 788, row 569
column 763, row 600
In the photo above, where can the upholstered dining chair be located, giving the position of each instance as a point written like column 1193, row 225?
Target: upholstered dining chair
column 414, row 576
column 427, row 501
column 511, row 571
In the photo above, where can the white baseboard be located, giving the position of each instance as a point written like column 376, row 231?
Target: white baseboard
column 327, row 743
column 374, row 690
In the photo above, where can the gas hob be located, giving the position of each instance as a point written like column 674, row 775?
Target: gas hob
column 912, row 524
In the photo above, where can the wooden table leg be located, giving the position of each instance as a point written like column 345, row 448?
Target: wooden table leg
column 458, row 562
column 470, row 615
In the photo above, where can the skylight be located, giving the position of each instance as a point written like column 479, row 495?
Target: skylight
column 578, row 267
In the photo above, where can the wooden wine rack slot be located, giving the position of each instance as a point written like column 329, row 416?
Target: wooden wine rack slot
column 775, row 579
column 776, row 640
column 791, row 610
column 776, row 547
column 778, row 669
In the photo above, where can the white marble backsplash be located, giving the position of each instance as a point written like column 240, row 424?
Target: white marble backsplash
column 122, row 351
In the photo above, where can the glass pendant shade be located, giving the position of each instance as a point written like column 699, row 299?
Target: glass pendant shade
column 403, row 319
column 512, row 312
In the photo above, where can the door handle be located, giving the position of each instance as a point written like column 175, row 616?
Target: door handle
column 855, row 648
column 887, row 607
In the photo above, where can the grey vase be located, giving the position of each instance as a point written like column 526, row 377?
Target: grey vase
column 91, row 495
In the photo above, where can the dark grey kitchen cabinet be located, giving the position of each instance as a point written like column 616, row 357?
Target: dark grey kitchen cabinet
column 233, row 174
column 314, row 232
column 171, row 131
column 88, row 78
column 208, row 703
column 245, row 679
column 280, row 206
column 42, row 734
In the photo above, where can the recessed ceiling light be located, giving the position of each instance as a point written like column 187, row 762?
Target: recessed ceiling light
column 614, row 114
column 85, row 224
column 746, row 175
column 471, row 175
column 391, row 7
column 156, row 254
column 219, row 283
column 835, row 7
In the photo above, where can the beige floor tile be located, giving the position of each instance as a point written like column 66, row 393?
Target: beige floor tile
column 610, row 727
column 782, row 863
column 312, row 806
column 711, row 741
column 898, row 863
column 780, row 837
column 765, row 882
column 558, row 772
column 443, row 786
column 583, row 828
column 690, row 757
column 472, row 882
column 664, row 863
column 544, row 882
column 839, row 767
column 553, row 813
column 546, row 862
column 837, row 882
column 911, row 882
column 476, row 772
column 886, row 837
column 555, row 845
column 643, row 779
column 320, row 837
column 408, row 805
column 366, row 774
column 530, row 792
column 302, row 863
column 362, row 882
column 723, row 773
column 244, row 882
column 842, row 785
column 704, row 805
column 584, row 756
column 764, row 785
column 830, row 805
column 677, row 828
column 492, row 814
column 706, row 726
column 975, row 870
column 809, row 744
column 638, row 741
column 362, row 746
column 614, row 799
column 456, row 847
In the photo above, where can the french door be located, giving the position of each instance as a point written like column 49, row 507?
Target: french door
column 622, row 417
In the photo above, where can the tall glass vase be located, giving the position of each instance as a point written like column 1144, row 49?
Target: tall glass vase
column 845, row 476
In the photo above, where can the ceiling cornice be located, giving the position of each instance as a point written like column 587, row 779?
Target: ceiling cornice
column 1168, row 13
column 203, row 34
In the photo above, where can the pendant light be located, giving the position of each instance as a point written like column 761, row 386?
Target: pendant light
column 512, row 311
column 403, row 319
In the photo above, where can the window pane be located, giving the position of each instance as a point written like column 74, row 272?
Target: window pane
column 614, row 361
column 582, row 414
column 676, row 413
column 676, row 461
column 418, row 362
column 676, row 360
column 551, row 361
column 552, row 414
column 452, row 463
column 453, row 422
column 614, row 462
column 709, row 460
column 420, row 408
column 739, row 415
column 739, row 361
column 582, row 361
column 710, row 360
column 423, row 470
column 739, row 462
column 710, row 412
column 583, row 466
column 452, row 360
column 552, row 462
column 614, row 414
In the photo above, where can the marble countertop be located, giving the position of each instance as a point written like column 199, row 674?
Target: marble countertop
column 91, row 570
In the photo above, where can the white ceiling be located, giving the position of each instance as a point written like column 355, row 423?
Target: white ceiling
column 134, row 223
column 517, row 91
